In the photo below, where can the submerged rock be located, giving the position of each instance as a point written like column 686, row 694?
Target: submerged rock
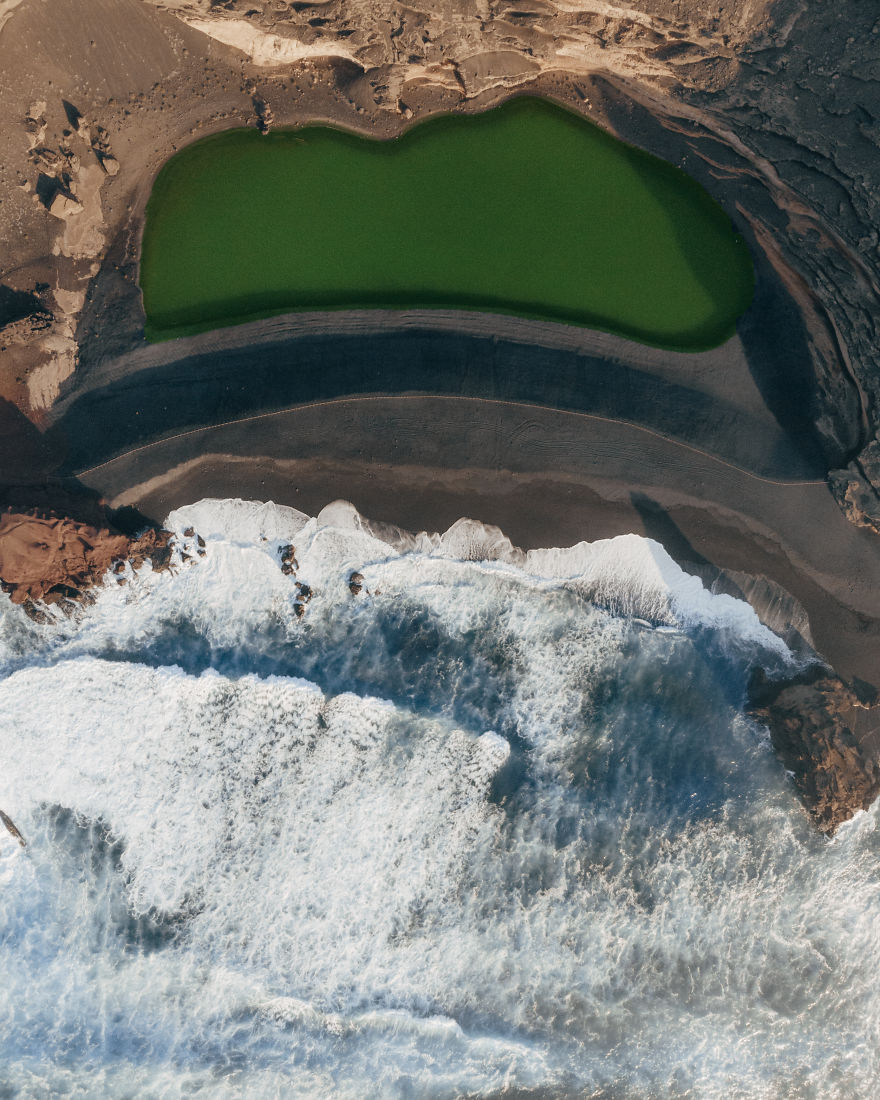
column 11, row 828
column 818, row 725
column 356, row 583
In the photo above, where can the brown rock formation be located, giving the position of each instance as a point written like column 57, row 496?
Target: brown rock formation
column 819, row 726
column 11, row 828
column 50, row 559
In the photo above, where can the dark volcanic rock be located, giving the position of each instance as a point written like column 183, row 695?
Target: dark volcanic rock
column 289, row 564
column 814, row 721
column 857, row 488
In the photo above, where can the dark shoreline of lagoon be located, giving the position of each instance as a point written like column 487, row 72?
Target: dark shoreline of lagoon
column 231, row 374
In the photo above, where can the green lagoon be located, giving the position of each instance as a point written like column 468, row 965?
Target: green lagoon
column 525, row 209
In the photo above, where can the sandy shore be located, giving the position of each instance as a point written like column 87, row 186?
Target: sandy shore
column 553, row 433
column 545, row 477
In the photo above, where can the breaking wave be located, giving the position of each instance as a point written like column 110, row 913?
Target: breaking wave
column 494, row 826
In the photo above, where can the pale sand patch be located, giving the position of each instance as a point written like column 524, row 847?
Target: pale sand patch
column 36, row 112
column 81, row 239
column 70, row 301
column 6, row 9
column 260, row 46
column 44, row 382
column 83, row 236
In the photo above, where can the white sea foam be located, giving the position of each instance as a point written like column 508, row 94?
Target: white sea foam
column 473, row 830
column 223, row 766
column 631, row 575
column 241, row 521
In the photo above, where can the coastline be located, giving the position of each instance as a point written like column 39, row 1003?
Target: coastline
column 723, row 460
column 544, row 477
column 553, row 433
column 303, row 813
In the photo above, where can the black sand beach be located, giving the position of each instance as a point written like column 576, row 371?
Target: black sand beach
column 553, row 434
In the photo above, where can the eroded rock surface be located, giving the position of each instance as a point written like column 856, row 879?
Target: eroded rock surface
column 821, row 730
column 51, row 559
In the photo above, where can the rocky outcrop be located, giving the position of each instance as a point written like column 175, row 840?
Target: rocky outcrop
column 45, row 558
column 821, row 729
column 289, row 564
column 857, row 488
column 289, row 567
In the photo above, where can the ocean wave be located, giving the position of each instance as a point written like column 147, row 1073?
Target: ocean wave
column 497, row 822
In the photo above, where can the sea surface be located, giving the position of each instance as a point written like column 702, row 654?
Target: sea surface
column 495, row 827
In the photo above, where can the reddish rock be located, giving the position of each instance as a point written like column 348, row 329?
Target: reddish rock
column 51, row 558
column 815, row 722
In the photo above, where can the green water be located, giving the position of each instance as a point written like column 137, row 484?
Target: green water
column 525, row 209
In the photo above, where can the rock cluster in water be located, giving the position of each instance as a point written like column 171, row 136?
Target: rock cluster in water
column 815, row 720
